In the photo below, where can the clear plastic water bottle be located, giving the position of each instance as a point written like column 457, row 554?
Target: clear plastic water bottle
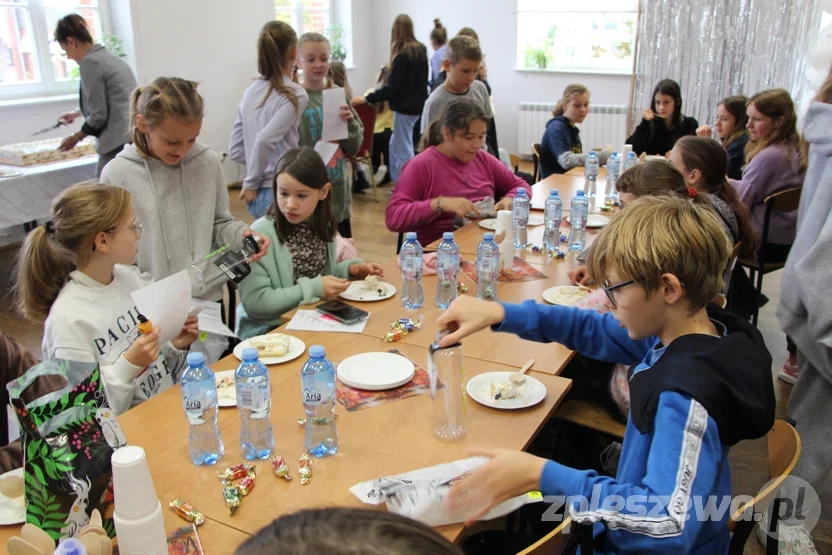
column 591, row 174
column 447, row 270
column 254, row 401
column 318, row 381
column 577, row 218
column 199, row 397
column 488, row 268
column 230, row 261
column 613, row 171
column 552, row 215
column 630, row 161
column 410, row 258
column 520, row 219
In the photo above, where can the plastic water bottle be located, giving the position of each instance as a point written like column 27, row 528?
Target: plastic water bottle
column 591, row 174
column 254, row 403
column 520, row 219
column 447, row 270
column 631, row 161
column 410, row 258
column 552, row 215
column 577, row 218
column 488, row 268
column 199, row 397
column 318, row 381
column 613, row 171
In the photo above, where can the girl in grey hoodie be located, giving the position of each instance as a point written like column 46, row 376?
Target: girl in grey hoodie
column 177, row 185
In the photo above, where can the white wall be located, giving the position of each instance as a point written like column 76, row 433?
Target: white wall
column 19, row 121
column 496, row 24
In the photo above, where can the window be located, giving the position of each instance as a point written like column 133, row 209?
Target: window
column 331, row 18
column 32, row 63
column 597, row 35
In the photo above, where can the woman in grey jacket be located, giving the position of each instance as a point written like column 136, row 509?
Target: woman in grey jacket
column 106, row 84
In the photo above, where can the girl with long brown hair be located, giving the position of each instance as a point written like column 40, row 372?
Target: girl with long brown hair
column 406, row 90
column 731, row 120
column 662, row 124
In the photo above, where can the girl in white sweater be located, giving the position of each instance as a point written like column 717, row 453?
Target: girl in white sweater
column 76, row 271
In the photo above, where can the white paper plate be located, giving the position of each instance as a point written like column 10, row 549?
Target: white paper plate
column 594, row 221
column 478, row 388
column 296, row 348
column 12, row 511
column 358, row 292
column 491, row 223
column 375, row 371
column 565, row 295
column 226, row 396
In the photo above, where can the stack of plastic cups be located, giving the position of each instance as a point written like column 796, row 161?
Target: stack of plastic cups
column 505, row 225
column 140, row 524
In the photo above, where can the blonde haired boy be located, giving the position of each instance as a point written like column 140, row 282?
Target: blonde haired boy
column 703, row 383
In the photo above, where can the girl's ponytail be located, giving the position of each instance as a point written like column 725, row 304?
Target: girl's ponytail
column 43, row 269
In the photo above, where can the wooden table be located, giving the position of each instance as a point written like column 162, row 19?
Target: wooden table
column 567, row 186
column 579, row 170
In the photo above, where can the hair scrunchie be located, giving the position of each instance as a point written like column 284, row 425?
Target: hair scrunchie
column 48, row 227
column 692, row 192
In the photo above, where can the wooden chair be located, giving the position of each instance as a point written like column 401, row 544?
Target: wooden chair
column 515, row 162
column 590, row 414
column 784, row 201
column 721, row 301
column 536, row 159
column 367, row 115
column 783, row 452
column 399, row 242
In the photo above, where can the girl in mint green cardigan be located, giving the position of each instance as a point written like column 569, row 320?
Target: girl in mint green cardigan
column 300, row 267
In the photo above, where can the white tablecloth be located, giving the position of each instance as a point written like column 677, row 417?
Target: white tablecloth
column 28, row 197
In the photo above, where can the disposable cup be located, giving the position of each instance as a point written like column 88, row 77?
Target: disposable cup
column 144, row 536
column 135, row 495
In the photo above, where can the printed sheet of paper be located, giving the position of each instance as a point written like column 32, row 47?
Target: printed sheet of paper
column 210, row 317
column 166, row 304
column 335, row 129
column 312, row 320
column 326, row 150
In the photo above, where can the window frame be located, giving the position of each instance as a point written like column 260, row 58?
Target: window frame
column 48, row 85
column 335, row 18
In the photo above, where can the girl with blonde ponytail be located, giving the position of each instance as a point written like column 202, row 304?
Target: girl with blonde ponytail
column 268, row 116
column 560, row 147
column 77, row 273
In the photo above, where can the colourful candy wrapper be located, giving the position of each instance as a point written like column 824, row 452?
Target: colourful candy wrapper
column 246, row 485
column 305, row 469
column 187, row 511
column 232, row 497
column 281, row 469
column 461, row 287
column 237, row 472
column 393, row 336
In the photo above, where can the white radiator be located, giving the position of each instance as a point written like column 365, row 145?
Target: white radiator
column 605, row 125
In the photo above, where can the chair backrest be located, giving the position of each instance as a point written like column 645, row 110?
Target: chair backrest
column 555, row 541
column 367, row 115
column 515, row 162
column 787, row 200
column 783, row 452
column 721, row 301
column 536, row 158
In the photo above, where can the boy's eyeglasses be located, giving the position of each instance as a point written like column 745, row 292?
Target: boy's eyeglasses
column 610, row 289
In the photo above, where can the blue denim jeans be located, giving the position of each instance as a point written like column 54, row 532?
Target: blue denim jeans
column 259, row 205
column 401, row 143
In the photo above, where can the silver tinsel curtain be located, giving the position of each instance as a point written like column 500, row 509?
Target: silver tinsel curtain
column 718, row 48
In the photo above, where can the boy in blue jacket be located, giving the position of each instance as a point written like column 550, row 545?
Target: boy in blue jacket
column 703, row 384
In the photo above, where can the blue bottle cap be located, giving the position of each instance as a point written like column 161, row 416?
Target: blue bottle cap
column 317, row 351
column 613, row 154
column 410, row 236
column 448, row 236
column 196, row 359
column 488, row 236
column 553, row 193
column 592, row 153
column 250, row 353
column 581, row 192
column 521, row 192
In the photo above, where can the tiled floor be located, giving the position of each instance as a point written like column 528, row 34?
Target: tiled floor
column 748, row 460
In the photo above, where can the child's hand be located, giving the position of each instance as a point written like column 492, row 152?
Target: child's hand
column 507, row 475
column 345, row 113
column 648, row 114
column 359, row 100
column 703, row 131
column 248, row 195
column 144, row 350
column 458, row 205
column 504, row 204
column 579, row 275
column 265, row 243
column 334, row 286
column 188, row 334
column 364, row 270
column 468, row 315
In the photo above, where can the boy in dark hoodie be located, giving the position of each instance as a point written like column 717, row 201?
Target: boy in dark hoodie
column 703, row 383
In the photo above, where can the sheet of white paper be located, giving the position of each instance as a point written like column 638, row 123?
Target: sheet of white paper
column 335, row 129
column 326, row 150
column 427, row 492
column 210, row 317
column 312, row 320
column 166, row 304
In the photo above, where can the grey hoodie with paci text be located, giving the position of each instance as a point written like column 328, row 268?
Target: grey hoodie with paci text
column 805, row 310
column 183, row 208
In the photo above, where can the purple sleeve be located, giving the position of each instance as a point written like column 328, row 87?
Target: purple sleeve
column 505, row 182
column 410, row 209
column 758, row 179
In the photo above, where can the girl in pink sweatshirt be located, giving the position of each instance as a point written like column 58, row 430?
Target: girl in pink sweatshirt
column 449, row 175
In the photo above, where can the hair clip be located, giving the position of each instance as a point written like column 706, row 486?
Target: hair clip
column 48, row 227
column 692, row 192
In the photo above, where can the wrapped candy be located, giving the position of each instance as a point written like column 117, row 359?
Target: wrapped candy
column 536, row 248
column 305, row 469
column 563, row 238
column 246, row 485
column 280, row 468
column 561, row 255
column 461, row 287
column 405, row 324
column 187, row 511
column 232, row 497
column 237, row 472
column 145, row 325
column 393, row 336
